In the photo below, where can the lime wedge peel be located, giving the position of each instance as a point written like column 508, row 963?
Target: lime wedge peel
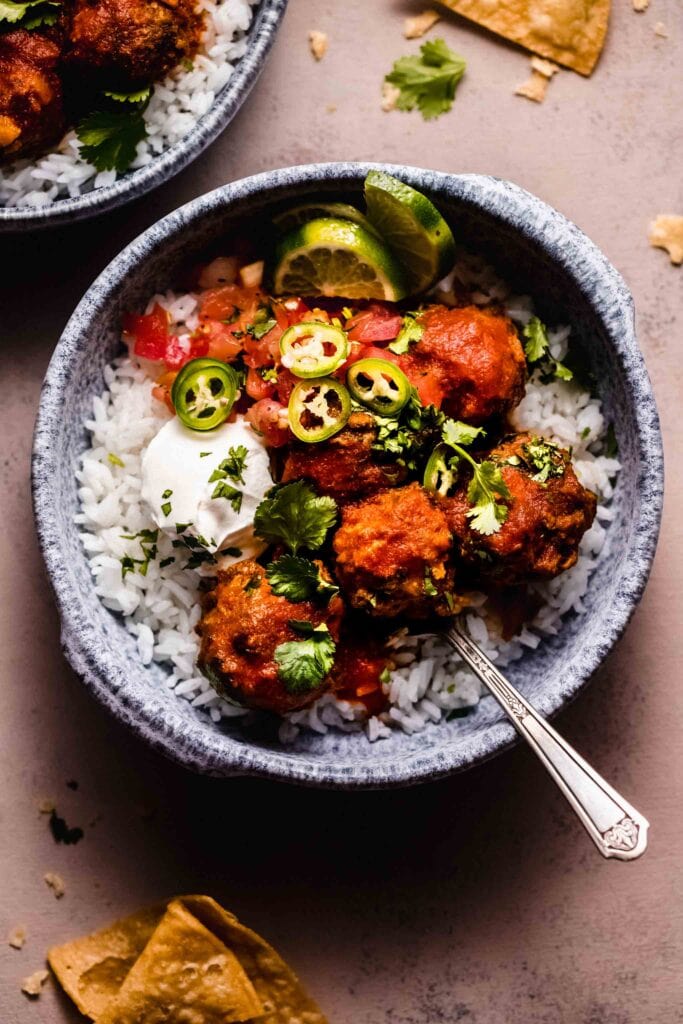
column 296, row 215
column 337, row 258
column 412, row 227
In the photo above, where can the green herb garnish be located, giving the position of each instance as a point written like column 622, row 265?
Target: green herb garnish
column 115, row 460
column 303, row 664
column 109, row 138
column 428, row 81
column 544, row 458
column 231, row 494
column 259, row 330
column 295, row 515
column 299, row 579
column 537, row 351
column 14, row 11
column 139, row 96
column 429, row 588
column 166, row 561
column 269, row 374
column 252, row 583
column 411, row 332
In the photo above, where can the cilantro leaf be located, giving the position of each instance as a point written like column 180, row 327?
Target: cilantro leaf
column 303, row 664
column 544, row 457
column 295, row 515
column 259, row 330
column 42, row 16
column 231, row 494
column 411, row 331
column 299, row 579
column 487, row 515
column 139, row 96
column 233, row 466
column 537, row 350
column 455, row 432
column 109, row 138
column 428, row 81
column 13, row 10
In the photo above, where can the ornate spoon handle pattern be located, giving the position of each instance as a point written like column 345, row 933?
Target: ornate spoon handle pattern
column 616, row 828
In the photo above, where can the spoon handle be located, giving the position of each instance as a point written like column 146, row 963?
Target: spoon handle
column 616, row 828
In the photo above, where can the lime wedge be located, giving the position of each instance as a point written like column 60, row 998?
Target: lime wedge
column 296, row 215
column 336, row 258
column 412, row 227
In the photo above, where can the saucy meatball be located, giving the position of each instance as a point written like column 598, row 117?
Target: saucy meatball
column 361, row 665
column 345, row 466
column 127, row 43
column 548, row 513
column 476, row 358
column 242, row 624
column 31, row 104
column 393, row 555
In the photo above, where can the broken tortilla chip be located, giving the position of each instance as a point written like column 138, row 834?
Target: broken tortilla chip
column 419, row 24
column 91, row 970
column 535, row 87
column 571, row 32
column 185, row 967
column 191, row 955
column 666, row 232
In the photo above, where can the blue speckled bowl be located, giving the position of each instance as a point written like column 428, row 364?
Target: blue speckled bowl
column 260, row 37
column 534, row 247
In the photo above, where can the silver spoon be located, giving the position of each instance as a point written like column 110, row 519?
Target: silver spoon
column 616, row 828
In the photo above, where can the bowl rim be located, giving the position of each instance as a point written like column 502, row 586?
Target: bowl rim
column 133, row 185
column 214, row 753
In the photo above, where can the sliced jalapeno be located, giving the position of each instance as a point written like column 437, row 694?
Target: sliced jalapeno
column 318, row 409
column 380, row 385
column 203, row 393
column 441, row 471
column 313, row 349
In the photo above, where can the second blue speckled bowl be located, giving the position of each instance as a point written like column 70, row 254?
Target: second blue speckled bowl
column 535, row 248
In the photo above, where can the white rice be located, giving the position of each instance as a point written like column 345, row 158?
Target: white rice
column 177, row 104
column 428, row 682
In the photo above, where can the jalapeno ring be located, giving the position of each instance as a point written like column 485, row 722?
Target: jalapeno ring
column 441, row 471
column 204, row 393
column 313, row 349
column 379, row 385
column 318, row 409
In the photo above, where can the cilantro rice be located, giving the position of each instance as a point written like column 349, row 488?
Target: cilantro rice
column 178, row 102
column 428, row 682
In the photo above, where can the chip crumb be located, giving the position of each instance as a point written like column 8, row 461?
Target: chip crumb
column 415, row 27
column 666, row 232
column 17, row 937
column 640, row 5
column 46, row 805
column 536, row 87
column 390, row 95
column 56, row 883
column 331, row 108
column 660, row 30
column 32, row 985
column 547, row 68
column 317, row 43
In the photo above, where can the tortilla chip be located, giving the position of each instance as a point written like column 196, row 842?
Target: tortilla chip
column 420, row 24
column 640, row 5
column 91, row 970
column 285, row 1001
column 317, row 43
column 571, row 32
column 184, row 973
column 666, row 232
column 535, row 87
column 33, row 985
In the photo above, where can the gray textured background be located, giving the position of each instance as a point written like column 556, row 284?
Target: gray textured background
column 476, row 899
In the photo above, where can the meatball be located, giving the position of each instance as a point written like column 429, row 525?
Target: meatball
column 31, row 103
column 128, row 43
column 344, row 467
column 242, row 624
column 475, row 356
column 361, row 665
column 393, row 555
column 548, row 513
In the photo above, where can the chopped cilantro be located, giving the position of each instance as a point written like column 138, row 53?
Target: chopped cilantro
column 411, row 331
column 199, row 557
column 181, row 527
column 537, row 351
column 429, row 588
column 544, row 458
column 13, row 11
column 109, row 138
column 231, row 494
column 41, row 16
column 428, row 81
column 115, row 460
column 202, row 455
column 148, row 544
column 269, row 374
column 303, row 664
column 252, row 583
column 166, row 508
column 454, row 432
column 167, row 493
column 295, row 515
column 299, row 579
column 385, row 675
column 166, row 561
column 259, row 330
column 586, row 432
column 127, row 565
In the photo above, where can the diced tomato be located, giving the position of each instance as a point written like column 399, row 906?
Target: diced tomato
column 162, row 388
column 258, row 388
column 270, row 419
column 290, row 311
column 221, row 343
column 377, row 323
column 265, row 350
column 221, row 303
column 150, row 333
column 286, row 382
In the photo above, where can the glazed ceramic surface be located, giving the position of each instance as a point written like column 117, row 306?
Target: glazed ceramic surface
column 260, row 38
column 539, row 252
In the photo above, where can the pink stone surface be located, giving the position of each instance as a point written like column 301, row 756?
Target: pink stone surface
column 477, row 899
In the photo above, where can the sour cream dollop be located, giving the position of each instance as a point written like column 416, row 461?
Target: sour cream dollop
column 183, row 469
